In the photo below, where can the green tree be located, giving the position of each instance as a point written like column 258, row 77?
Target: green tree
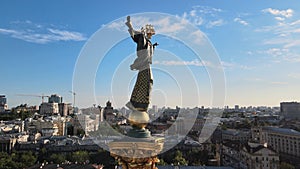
column 27, row 159
column 197, row 157
column 80, row 132
column 102, row 157
column 79, row 156
column 284, row 165
column 179, row 159
column 162, row 162
column 16, row 160
column 58, row 158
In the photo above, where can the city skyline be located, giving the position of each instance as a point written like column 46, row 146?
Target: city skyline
column 256, row 43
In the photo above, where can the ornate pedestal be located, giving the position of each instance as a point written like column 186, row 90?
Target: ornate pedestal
column 139, row 150
column 133, row 154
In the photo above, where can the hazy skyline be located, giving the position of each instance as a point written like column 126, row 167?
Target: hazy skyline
column 257, row 43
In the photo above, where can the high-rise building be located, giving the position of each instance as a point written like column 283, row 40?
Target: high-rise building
column 65, row 109
column 3, row 103
column 236, row 107
column 155, row 108
column 290, row 110
column 49, row 108
column 108, row 112
column 55, row 99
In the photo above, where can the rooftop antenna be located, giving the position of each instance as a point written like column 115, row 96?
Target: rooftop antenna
column 73, row 93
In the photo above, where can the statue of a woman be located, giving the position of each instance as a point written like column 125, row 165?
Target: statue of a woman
column 140, row 96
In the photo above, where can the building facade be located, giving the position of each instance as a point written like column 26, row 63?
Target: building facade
column 3, row 103
column 290, row 110
column 236, row 135
column 49, row 108
column 282, row 140
column 248, row 156
column 255, row 156
column 55, row 99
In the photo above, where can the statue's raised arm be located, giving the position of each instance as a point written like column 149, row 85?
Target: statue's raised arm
column 131, row 31
column 128, row 23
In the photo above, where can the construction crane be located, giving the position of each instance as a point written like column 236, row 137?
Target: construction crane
column 34, row 95
column 73, row 93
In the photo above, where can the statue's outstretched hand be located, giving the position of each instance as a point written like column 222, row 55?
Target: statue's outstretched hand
column 128, row 23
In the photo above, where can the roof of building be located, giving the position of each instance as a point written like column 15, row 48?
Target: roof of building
column 193, row 167
column 282, row 130
column 254, row 149
column 234, row 132
column 236, row 145
column 64, row 166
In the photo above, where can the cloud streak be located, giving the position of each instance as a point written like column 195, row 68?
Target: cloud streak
column 283, row 13
column 199, row 63
column 180, row 63
column 239, row 20
column 283, row 43
column 42, row 35
column 204, row 16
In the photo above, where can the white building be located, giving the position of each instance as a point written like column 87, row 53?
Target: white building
column 282, row 140
column 257, row 156
column 49, row 108
column 88, row 122
column 236, row 135
column 248, row 156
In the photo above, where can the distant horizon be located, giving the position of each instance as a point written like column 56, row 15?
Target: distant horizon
column 150, row 107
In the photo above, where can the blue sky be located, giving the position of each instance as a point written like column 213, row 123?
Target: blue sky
column 257, row 42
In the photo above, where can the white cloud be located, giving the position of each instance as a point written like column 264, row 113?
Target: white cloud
column 279, row 18
column 284, row 33
column 279, row 83
column 276, row 52
column 180, row 63
column 204, row 15
column 228, row 65
column 211, row 24
column 8, row 31
column 254, row 79
column 198, row 36
column 284, row 13
column 295, row 23
column 249, row 53
column 239, row 20
column 193, row 13
column 292, row 43
column 282, row 54
column 196, row 62
column 161, row 25
column 66, row 35
column 36, row 33
column 260, row 80
column 294, row 75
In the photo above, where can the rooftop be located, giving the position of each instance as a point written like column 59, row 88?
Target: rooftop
column 193, row 167
column 282, row 130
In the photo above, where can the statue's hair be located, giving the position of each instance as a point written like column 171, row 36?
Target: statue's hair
column 148, row 29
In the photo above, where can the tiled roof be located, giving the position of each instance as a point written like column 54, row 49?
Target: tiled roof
column 282, row 130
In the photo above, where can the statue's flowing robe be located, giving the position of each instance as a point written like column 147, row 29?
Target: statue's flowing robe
column 140, row 97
